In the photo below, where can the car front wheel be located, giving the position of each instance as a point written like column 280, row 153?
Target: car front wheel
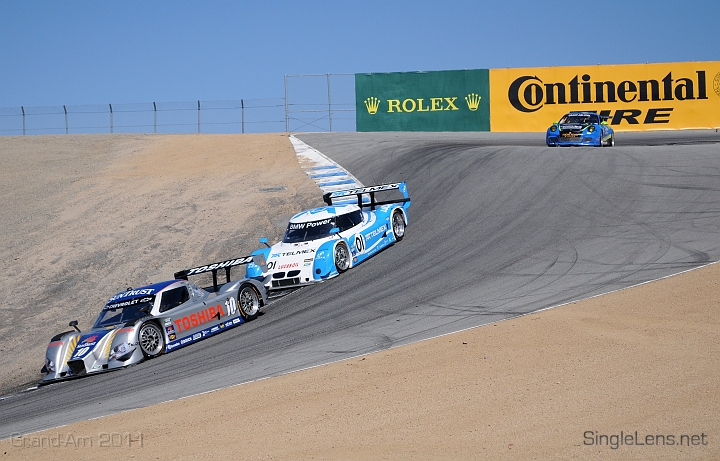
column 398, row 225
column 151, row 340
column 248, row 301
column 342, row 257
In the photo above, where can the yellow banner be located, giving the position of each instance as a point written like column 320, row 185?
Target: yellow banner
column 636, row 97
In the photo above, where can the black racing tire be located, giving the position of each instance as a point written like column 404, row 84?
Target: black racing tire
column 398, row 225
column 611, row 143
column 151, row 340
column 249, row 301
column 341, row 254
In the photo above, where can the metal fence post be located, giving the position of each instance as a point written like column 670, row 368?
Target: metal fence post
column 329, row 103
column 66, row 119
column 198, row 116
column 23, row 111
column 242, row 106
column 287, row 120
column 111, row 119
column 154, row 118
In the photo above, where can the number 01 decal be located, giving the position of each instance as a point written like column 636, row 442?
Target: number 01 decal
column 359, row 243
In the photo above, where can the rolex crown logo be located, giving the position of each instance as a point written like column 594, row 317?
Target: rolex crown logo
column 716, row 84
column 473, row 101
column 372, row 103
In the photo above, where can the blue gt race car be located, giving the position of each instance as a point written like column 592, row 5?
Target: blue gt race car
column 580, row 129
column 142, row 323
column 323, row 242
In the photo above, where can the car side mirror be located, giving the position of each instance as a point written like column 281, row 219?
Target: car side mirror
column 74, row 324
column 264, row 241
column 334, row 230
column 604, row 122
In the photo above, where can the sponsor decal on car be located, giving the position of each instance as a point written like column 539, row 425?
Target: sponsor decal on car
column 198, row 318
column 293, row 253
column 131, row 302
column 364, row 190
column 377, row 231
column 211, row 267
column 309, row 224
column 125, row 294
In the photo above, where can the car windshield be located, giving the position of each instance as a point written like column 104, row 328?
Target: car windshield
column 116, row 315
column 580, row 119
column 311, row 230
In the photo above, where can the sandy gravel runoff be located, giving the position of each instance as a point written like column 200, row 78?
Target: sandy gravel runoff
column 634, row 374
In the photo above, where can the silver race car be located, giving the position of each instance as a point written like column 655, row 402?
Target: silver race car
column 141, row 323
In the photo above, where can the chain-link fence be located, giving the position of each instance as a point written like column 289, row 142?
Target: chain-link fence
column 316, row 102
column 320, row 102
column 231, row 116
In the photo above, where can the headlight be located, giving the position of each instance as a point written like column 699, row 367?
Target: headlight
column 50, row 365
column 553, row 128
column 118, row 352
column 591, row 128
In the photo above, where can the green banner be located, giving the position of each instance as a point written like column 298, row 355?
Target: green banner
column 452, row 100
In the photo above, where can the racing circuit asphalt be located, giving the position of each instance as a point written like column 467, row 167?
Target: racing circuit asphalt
column 500, row 226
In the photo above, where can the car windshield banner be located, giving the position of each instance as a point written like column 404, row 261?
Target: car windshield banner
column 633, row 97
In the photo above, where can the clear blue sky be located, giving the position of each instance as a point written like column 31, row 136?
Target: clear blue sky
column 92, row 52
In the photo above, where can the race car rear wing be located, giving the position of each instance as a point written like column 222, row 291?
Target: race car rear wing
column 363, row 191
column 214, row 267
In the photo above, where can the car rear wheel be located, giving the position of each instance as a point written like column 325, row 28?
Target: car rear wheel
column 248, row 301
column 611, row 143
column 398, row 225
column 342, row 257
column 151, row 340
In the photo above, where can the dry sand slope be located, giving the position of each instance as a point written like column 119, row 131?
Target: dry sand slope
column 84, row 217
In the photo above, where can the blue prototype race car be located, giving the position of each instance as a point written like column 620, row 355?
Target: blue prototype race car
column 580, row 129
column 323, row 242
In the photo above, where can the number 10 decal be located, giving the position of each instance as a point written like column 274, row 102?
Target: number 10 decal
column 80, row 352
column 231, row 306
